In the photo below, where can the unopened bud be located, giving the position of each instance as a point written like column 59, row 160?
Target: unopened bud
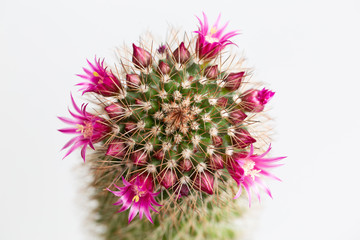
column 116, row 149
column 217, row 141
column 211, row 72
column 185, row 165
column 139, row 157
column 141, row 58
column 216, row 162
column 237, row 117
column 242, row 138
column 222, row 102
column 133, row 81
column 164, row 68
column 130, row 126
column 114, row 110
column 167, row 178
column 204, row 181
column 159, row 155
column 181, row 54
column 233, row 80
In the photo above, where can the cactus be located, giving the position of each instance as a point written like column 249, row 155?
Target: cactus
column 176, row 138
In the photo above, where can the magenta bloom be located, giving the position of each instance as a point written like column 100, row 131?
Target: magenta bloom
column 101, row 80
column 255, row 100
column 211, row 41
column 89, row 128
column 138, row 195
column 247, row 168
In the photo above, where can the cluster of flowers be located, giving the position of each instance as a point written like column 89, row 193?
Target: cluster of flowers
column 178, row 123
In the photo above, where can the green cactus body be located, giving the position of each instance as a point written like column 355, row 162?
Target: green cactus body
column 178, row 132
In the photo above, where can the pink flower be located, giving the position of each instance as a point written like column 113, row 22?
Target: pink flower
column 211, row 41
column 141, row 58
column 242, row 138
column 101, row 80
column 247, row 168
column 255, row 100
column 138, row 195
column 89, row 128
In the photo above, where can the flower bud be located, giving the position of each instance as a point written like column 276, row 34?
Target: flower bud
column 133, row 81
column 242, row 138
column 164, row 68
column 222, row 102
column 184, row 191
column 204, row 181
column 139, row 157
column 211, row 72
column 255, row 100
column 216, row 162
column 167, row 178
column 233, row 80
column 114, row 110
column 181, row 54
column 141, row 58
column 159, row 155
column 217, row 141
column 138, row 102
column 116, row 149
column 130, row 126
column 185, row 165
column 237, row 116
column 162, row 49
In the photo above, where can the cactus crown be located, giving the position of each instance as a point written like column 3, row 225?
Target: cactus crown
column 177, row 121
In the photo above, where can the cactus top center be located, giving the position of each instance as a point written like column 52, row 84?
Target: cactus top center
column 179, row 116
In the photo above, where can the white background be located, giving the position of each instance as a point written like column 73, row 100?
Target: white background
column 307, row 51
